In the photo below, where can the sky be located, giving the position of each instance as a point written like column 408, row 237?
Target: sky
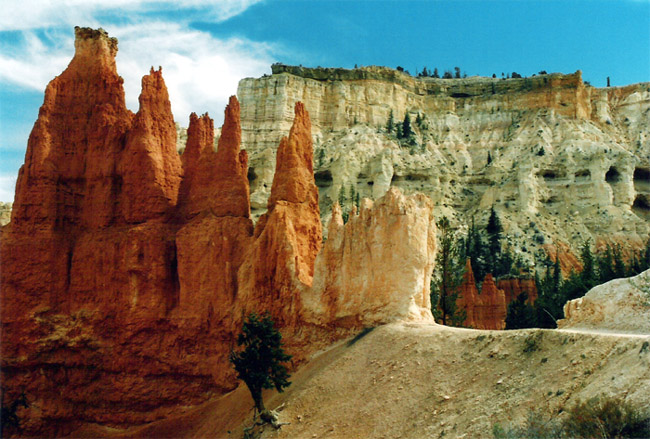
column 206, row 46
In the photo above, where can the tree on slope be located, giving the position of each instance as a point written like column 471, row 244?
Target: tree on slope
column 259, row 364
column 447, row 278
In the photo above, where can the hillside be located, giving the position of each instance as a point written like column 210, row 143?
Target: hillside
column 413, row 380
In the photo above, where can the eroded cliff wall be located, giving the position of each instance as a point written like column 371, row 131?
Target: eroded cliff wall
column 560, row 161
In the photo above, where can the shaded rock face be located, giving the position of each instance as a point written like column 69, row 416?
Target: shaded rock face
column 486, row 310
column 512, row 288
column 126, row 269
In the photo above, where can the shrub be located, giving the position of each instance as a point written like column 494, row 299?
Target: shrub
column 607, row 417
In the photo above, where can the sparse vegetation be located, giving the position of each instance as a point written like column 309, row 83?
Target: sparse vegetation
column 260, row 363
column 603, row 417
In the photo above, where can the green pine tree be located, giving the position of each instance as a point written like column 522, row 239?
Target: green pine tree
column 260, row 363
column 447, row 278
column 407, row 131
column 391, row 122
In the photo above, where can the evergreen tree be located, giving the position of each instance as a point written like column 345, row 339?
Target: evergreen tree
column 391, row 123
column 493, row 230
column 588, row 274
column 549, row 305
column 406, row 126
column 457, row 70
column 605, row 263
column 520, row 314
column 435, row 73
column 260, row 363
column 399, row 131
column 475, row 249
column 418, row 119
column 447, row 278
column 357, row 201
column 619, row 264
column 489, row 158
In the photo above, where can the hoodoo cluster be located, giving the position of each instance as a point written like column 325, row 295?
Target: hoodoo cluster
column 127, row 269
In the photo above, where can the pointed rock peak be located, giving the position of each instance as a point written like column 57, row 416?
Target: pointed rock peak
column 200, row 135
column 294, row 171
column 154, row 93
column 336, row 222
column 230, row 139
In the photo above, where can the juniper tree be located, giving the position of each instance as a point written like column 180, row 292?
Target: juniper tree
column 406, row 126
column 260, row 363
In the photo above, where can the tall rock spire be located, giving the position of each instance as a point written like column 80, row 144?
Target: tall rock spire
column 150, row 166
column 289, row 236
column 215, row 181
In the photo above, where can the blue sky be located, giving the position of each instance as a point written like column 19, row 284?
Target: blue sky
column 205, row 47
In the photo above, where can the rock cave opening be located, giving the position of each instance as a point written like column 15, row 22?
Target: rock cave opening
column 583, row 175
column 641, row 206
column 323, row 178
column 642, row 179
column 612, row 176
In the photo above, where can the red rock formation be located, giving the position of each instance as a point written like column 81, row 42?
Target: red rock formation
column 223, row 172
column 468, row 297
column 289, row 236
column 149, row 165
column 126, row 269
column 568, row 261
column 514, row 287
column 89, row 265
column 492, row 309
column 212, row 244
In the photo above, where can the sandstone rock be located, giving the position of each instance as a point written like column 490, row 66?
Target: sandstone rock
column 5, row 213
column 288, row 237
column 492, row 309
column 620, row 305
column 512, row 288
column 376, row 268
column 223, row 172
column 468, row 297
column 149, row 166
column 211, row 246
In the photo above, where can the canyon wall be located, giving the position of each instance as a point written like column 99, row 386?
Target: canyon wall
column 560, row 161
column 127, row 268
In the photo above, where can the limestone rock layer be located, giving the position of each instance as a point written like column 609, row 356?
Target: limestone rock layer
column 560, row 161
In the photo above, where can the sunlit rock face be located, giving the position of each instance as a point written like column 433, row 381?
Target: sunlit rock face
column 127, row 269
column 560, row 161
column 377, row 267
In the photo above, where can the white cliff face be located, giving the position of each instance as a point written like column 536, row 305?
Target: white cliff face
column 559, row 161
column 377, row 267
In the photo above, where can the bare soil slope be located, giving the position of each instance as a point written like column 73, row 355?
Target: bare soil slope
column 425, row 380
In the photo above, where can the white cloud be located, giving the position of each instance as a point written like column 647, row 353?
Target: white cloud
column 200, row 71
column 41, row 14
column 7, row 187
